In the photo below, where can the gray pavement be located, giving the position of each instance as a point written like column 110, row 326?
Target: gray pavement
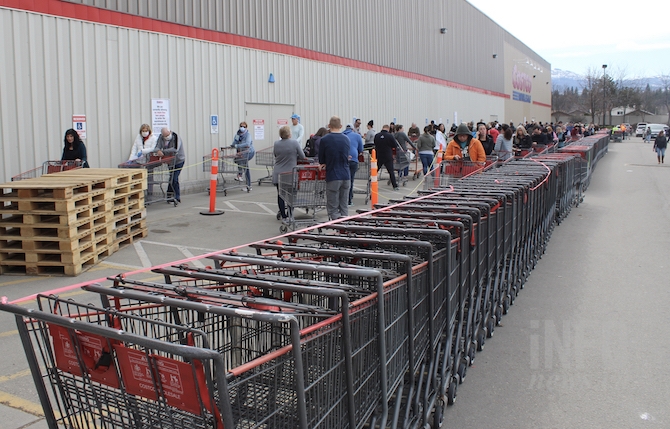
column 585, row 344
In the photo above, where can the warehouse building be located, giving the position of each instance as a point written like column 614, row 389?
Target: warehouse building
column 105, row 67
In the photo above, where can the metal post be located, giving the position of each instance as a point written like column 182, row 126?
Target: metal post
column 604, row 93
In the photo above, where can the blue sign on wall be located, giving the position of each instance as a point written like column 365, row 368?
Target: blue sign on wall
column 520, row 96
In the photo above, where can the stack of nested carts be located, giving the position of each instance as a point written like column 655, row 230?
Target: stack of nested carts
column 65, row 222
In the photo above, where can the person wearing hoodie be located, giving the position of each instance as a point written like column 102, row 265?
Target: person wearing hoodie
column 464, row 147
column 355, row 149
column 245, row 152
column 297, row 130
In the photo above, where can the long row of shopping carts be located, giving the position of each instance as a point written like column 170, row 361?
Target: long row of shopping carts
column 367, row 322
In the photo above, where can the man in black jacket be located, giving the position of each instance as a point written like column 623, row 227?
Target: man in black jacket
column 384, row 145
column 538, row 136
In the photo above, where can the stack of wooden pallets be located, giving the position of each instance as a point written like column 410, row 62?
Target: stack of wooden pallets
column 64, row 222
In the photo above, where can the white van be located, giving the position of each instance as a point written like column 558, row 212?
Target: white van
column 641, row 128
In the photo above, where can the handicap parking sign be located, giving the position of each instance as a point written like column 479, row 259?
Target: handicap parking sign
column 214, row 122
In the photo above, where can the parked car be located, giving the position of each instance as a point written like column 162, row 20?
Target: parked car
column 641, row 127
column 656, row 128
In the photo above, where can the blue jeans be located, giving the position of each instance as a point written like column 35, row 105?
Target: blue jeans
column 426, row 160
column 353, row 168
column 173, row 186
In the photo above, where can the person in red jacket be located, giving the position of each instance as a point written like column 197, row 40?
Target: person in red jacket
column 465, row 147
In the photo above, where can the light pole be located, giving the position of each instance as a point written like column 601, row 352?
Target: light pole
column 604, row 93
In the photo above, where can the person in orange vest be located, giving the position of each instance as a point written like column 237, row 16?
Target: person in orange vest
column 465, row 147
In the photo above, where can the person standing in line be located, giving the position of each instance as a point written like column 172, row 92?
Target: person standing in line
column 297, row 130
column 357, row 126
column 244, row 145
column 503, row 147
column 144, row 144
column 170, row 144
column 334, row 158
column 384, row 145
column 521, row 139
column 414, row 132
column 403, row 140
column 355, row 149
column 660, row 144
column 370, row 136
column 287, row 152
column 492, row 128
column 74, row 149
column 425, row 146
column 484, row 137
column 440, row 139
column 465, row 147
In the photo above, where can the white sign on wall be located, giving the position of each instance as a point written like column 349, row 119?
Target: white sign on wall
column 160, row 114
column 259, row 129
column 79, row 125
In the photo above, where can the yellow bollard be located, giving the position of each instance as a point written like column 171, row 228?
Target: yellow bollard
column 373, row 179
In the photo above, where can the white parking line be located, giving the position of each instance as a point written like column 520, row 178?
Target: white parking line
column 264, row 207
column 188, row 254
column 178, row 246
column 144, row 258
column 231, row 206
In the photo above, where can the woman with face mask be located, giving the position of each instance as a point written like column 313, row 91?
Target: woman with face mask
column 245, row 152
column 144, row 144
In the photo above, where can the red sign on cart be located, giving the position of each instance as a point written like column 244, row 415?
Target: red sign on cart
column 175, row 378
column 89, row 349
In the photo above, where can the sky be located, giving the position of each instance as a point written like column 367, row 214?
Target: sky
column 631, row 37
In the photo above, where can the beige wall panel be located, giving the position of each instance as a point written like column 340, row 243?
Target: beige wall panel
column 380, row 32
column 59, row 67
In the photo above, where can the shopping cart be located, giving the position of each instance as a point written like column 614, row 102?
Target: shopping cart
column 159, row 177
column 452, row 170
column 228, row 170
column 304, row 187
column 363, row 175
column 47, row 168
column 401, row 160
column 266, row 157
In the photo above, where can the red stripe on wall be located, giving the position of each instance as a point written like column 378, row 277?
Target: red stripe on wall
column 542, row 104
column 102, row 16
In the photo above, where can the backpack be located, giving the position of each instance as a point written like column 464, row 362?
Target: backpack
column 310, row 150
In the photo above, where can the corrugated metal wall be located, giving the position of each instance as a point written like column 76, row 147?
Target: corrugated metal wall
column 400, row 35
column 55, row 67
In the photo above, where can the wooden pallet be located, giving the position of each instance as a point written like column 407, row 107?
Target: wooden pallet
column 64, row 222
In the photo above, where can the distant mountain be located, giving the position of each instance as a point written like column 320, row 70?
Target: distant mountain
column 562, row 79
